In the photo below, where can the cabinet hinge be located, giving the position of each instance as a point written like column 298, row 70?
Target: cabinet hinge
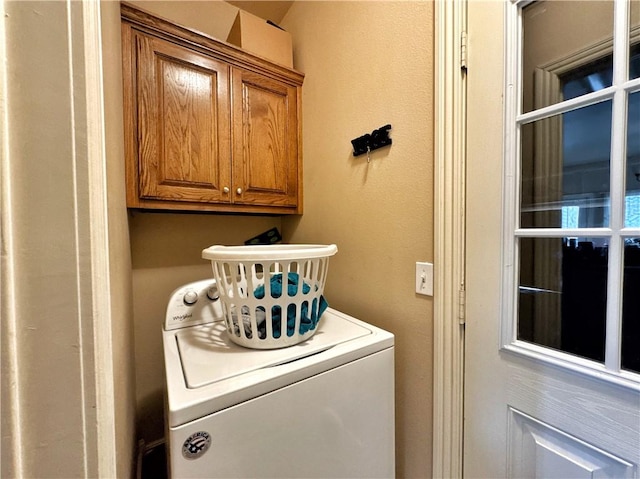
column 461, row 306
column 463, row 51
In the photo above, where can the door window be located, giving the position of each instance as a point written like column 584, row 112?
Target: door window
column 572, row 186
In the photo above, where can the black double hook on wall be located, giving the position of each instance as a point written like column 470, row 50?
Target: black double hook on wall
column 369, row 142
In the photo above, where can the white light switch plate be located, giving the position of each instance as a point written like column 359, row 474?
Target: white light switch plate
column 424, row 278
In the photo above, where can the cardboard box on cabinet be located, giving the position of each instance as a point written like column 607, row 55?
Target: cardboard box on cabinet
column 255, row 35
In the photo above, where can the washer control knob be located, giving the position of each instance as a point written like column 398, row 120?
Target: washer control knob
column 212, row 293
column 190, row 297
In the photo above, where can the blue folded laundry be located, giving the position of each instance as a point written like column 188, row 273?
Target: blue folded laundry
column 307, row 321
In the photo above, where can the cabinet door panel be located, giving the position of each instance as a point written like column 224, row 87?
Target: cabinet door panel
column 183, row 124
column 265, row 141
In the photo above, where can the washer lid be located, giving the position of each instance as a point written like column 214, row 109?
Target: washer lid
column 208, row 356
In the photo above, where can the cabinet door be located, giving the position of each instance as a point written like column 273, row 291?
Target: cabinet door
column 183, row 124
column 265, row 141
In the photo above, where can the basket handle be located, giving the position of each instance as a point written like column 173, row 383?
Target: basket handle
column 268, row 252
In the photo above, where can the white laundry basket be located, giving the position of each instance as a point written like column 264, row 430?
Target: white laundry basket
column 271, row 295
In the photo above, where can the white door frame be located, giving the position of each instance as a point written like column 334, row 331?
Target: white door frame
column 449, row 254
column 102, row 319
column 89, row 313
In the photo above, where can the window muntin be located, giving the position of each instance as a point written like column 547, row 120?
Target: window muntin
column 558, row 232
column 634, row 39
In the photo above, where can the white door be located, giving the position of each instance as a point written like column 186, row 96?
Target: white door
column 552, row 358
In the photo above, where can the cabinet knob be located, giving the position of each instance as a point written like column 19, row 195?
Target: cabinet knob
column 225, row 189
column 239, row 191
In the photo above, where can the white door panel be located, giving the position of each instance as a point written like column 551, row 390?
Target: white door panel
column 598, row 413
column 538, row 450
column 524, row 417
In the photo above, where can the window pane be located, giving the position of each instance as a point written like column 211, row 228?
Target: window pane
column 554, row 31
column 634, row 61
column 632, row 211
column 565, row 169
column 632, row 203
column 588, row 78
column 563, row 294
column 631, row 306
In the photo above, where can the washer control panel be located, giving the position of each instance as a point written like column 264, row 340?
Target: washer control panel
column 192, row 304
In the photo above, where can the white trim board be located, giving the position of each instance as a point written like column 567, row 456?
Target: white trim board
column 449, row 284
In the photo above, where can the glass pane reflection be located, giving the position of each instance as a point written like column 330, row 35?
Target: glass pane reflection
column 563, row 294
column 632, row 199
column 554, row 31
column 565, row 169
column 588, row 78
column 631, row 306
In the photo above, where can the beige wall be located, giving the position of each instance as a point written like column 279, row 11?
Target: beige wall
column 44, row 238
column 368, row 64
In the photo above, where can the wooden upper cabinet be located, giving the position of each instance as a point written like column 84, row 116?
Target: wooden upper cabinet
column 184, row 150
column 264, row 125
column 208, row 127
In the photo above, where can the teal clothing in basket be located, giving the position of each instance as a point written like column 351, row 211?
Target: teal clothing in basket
column 308, row 321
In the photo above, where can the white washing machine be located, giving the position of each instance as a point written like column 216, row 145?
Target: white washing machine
column 323, row 408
